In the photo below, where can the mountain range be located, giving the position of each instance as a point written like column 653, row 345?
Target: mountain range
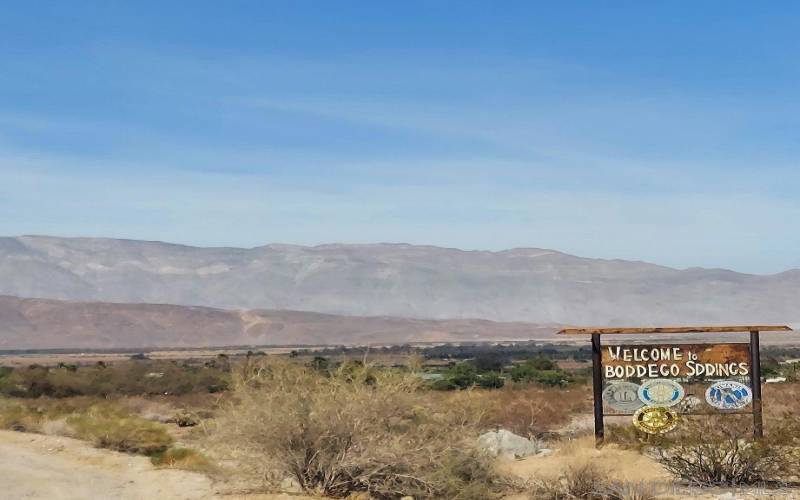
column 405, row 281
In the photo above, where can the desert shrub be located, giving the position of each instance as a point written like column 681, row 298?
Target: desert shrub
column 344, row 432
column 629, row 437
column 631, row 490
column 708, row 453
column 18, row 417
column 109, row 427
column 133, row 378
column 183, row 458
column 587, row 481
column 185, row 419
column 534, row 411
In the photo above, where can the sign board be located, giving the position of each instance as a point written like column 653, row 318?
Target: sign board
column 647, row 379
column 678, row 361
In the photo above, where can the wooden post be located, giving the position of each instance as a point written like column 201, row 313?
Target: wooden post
column 597, row 389
column 755, row 384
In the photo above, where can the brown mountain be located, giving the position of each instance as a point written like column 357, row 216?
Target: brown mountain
column 43, row 323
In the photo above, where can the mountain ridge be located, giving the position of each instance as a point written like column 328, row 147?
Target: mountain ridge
column 532, row 285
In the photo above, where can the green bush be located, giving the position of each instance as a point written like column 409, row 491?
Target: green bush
column 491, row 381
column 462, row 375
column 541, row 371
column 443, row 385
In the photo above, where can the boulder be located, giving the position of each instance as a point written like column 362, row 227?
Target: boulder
column 503, row 443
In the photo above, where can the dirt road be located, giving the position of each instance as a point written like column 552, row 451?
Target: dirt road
column 56, row 468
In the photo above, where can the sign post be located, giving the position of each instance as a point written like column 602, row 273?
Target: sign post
column 643, row 380
column 597, row 389
column 755, row 385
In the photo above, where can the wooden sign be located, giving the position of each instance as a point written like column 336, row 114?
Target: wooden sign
column 661, row 365
column 676, row 361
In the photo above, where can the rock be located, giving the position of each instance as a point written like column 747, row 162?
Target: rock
column 407, row 498
column 504, row 443
column 543, row 452
column 726, row 496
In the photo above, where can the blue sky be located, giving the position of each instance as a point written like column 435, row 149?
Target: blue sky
column 663, row 132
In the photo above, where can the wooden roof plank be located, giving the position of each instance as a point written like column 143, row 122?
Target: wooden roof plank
column 676, row 329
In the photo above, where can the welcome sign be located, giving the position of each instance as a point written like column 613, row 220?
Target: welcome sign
column 676, row 361
column 647, row 379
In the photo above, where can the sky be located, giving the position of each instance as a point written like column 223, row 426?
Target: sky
column 667, row 132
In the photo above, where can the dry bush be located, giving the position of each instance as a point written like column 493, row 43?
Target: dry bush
column 533, row 411
column 109, row 427
column 628, row 490
column 19, row 417
column 587, row 481
column 353, row 429
column 628, row 437
column 779, row 400
column 708, row 452
column 183, row 458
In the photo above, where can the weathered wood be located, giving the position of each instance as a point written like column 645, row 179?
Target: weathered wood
column 755, row 385
column 597, row 390
column 678, row 329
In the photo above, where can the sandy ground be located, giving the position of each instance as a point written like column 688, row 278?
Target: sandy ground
column 628, row 466
column 57, row 468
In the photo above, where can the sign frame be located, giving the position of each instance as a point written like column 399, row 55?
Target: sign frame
column 756, row 408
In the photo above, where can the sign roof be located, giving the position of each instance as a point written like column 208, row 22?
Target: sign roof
column 676, row 329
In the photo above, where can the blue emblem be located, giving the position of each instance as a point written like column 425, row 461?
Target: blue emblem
column 729, row 395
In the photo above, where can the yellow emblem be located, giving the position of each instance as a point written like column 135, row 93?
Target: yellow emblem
column 655, row 419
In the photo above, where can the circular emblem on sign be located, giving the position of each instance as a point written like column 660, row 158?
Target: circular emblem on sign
column 655, row 419
column 623, row 396
column 660, row 392
column 729, row 395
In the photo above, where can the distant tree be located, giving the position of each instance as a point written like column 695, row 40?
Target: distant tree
column 463, row 375
column 540, row 370
column 320, row 363
column 489, row 363
column 444, row 385
column 491, row 381
column 542, row 363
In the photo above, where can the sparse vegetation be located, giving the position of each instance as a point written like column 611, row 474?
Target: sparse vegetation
column 354, row 430
column 337, row 426
column 587, row 481
column 707, row 453
column 134, row 378
column 183, row 458
column 108, row 427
